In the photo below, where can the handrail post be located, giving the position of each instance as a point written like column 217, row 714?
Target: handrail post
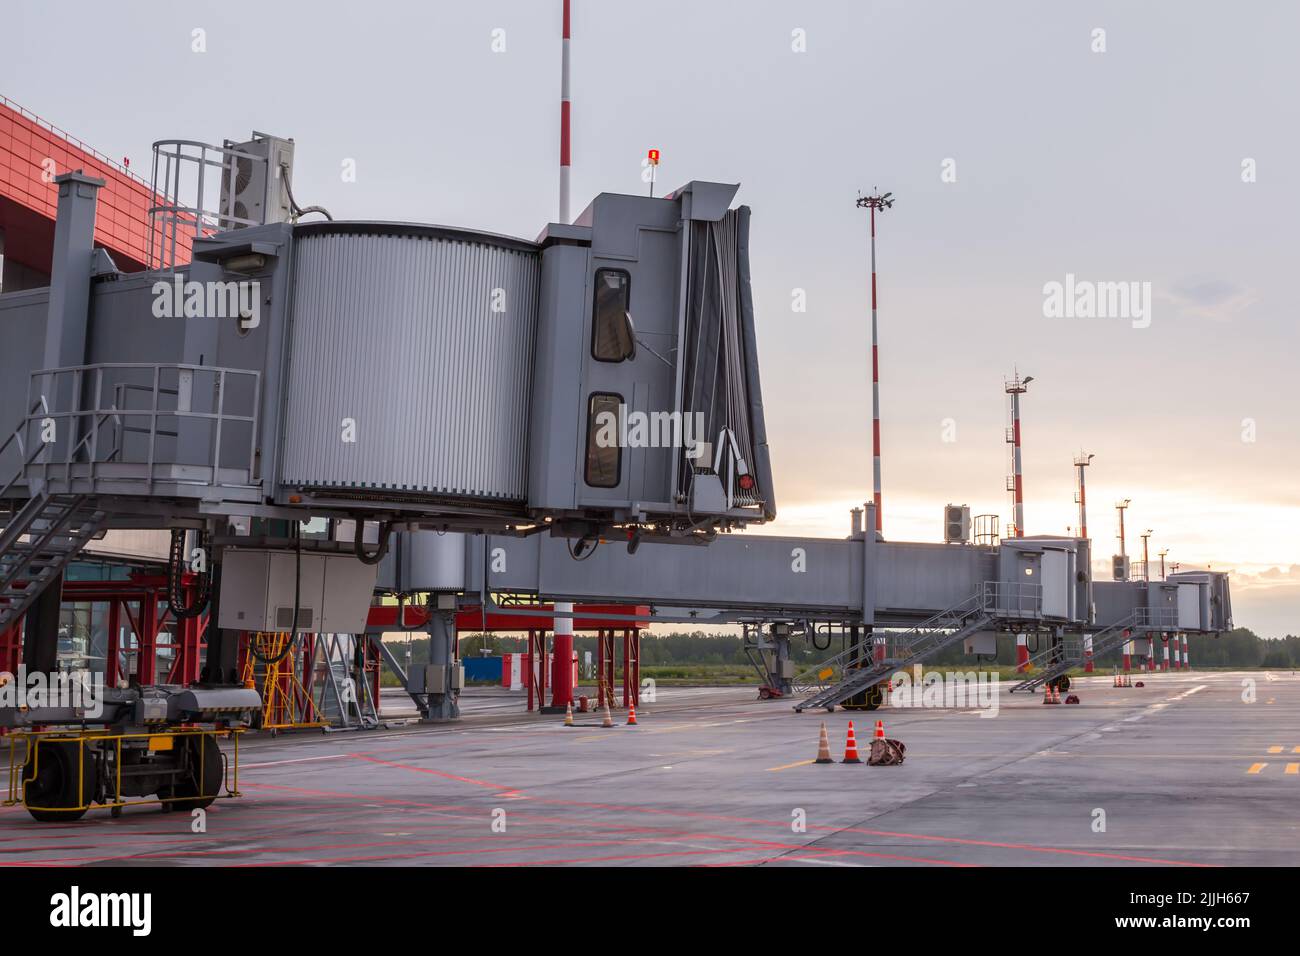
column 221, row 407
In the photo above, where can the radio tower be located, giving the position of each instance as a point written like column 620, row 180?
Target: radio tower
column 564, row 120
column 873, row 203
column 1015, row 481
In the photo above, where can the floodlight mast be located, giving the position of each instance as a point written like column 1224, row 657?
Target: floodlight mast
column 874, row 202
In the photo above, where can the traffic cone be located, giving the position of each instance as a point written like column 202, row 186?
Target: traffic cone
column 608, row 720
column 880, row 730
column 631, row 715
column 823, row 747
column 1047, row 694
column 568, row 715
column 851, row 747
column 1056, row 694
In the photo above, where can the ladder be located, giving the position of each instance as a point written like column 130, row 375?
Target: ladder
column 41, row 539
column 903, row 650
column 48, row 532
column 1056, row 660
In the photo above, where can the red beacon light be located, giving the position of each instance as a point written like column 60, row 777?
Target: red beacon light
column 746, row 482
column 653, row 157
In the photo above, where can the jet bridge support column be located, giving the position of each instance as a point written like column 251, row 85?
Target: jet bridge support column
column 562, row 668
column 440, row 685
column 781, row 670
column 41, row 633
column 221, row 665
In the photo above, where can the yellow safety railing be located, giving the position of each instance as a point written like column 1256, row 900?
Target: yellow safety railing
column 18, row 779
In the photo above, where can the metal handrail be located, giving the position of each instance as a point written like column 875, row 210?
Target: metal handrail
column 123, row 415
column 1008, row 599
column 169, row 214
column 901, row 640
column 17, row 434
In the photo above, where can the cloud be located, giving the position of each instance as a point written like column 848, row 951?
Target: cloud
column 1212, row 298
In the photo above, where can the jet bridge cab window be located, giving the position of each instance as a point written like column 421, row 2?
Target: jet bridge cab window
column 611, row 327
column 604, row 456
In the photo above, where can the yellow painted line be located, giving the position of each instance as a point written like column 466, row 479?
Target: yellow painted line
column 1256, row 767
column 1275, row 750
column 1293, row 768
column 787, row 766
column 1295, row 750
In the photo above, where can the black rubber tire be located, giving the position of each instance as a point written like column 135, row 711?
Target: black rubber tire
column 1063, row 683
column 190, row 792
column 56, row 782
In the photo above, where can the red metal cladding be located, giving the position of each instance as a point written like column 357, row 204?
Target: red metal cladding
column 32, row 153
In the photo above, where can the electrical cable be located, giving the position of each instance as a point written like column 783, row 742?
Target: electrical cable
column 176, row 573
column 359, row 545
column 300, row 211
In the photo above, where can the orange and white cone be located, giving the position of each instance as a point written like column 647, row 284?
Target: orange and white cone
column 880, row 730
column 568, row 715
column 823, row 747
column 631, row 715
column 851, row 747
column 608, row 720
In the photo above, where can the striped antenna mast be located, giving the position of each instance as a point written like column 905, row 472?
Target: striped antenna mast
column 1016, row 480
column 564, row 120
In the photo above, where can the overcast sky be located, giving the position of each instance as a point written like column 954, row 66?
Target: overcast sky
column 1122, row 165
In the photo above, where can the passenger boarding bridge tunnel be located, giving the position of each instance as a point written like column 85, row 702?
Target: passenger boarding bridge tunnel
column 452, row 388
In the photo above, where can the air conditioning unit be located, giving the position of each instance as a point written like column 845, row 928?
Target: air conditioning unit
column 252, row 185
column 1119, row 567
column 956, row 524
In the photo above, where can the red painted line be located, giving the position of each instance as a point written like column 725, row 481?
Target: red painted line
column 503, row 790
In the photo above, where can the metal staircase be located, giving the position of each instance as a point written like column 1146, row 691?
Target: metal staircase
column 45, row 534
column 42, row 538
column 902, row 650
column 1055, row 661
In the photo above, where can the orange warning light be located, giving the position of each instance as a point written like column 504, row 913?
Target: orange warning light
column 653, row 156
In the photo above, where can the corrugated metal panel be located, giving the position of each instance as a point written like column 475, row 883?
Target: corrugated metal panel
column 394, row 328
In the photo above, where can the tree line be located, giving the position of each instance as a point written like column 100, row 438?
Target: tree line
column 1240, row 648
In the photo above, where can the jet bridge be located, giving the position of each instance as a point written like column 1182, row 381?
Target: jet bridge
column 530, row 401
column 1129, row 611
column 601, row 379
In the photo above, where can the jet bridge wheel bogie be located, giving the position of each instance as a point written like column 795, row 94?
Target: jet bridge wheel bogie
column 51, row 776
column 199, row 785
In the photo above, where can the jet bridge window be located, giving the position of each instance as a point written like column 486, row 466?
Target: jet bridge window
column 604, row 456
column 611, row 329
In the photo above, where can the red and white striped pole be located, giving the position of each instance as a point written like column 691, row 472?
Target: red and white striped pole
column 1087, row 653
column 1015, row 388
column 1128, row 653
column 1187, row 664
column 564, row 121
column 1022, row 653
column 1164, row 651
column 1151, row 653
column 873, row 203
